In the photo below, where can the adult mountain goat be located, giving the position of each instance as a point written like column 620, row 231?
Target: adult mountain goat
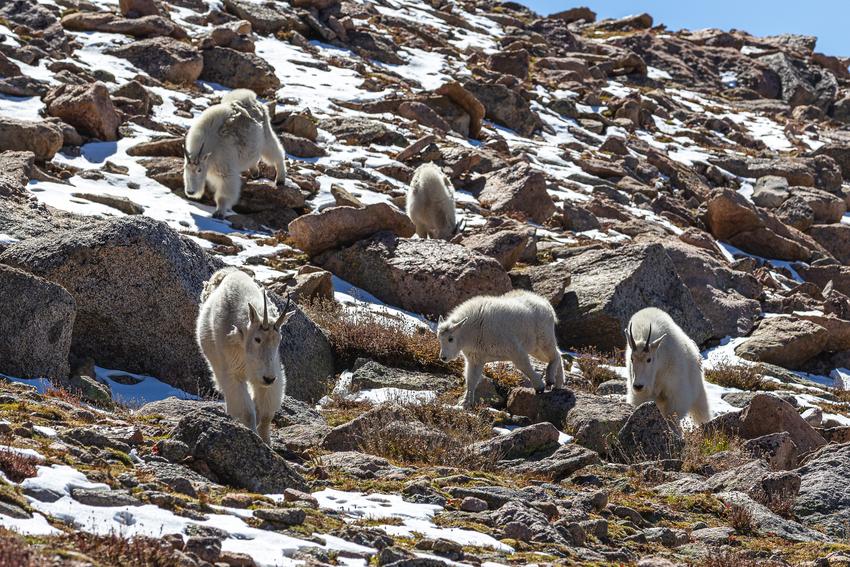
column 664, row 365
column 242, row 348
column 509, row 327
column 431, row 203
column 225, row 140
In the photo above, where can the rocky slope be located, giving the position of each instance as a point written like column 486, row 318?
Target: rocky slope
column 607, row 165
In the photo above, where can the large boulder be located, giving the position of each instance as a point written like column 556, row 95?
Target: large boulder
column 137, row 285
column 337, row 226
column 425, row 276
column 609, row 286
column 596, row 420
column 505, row 106
column 731, row 218
column 107, row 22
column 823, row 499
column 238, row 70
column 265, row 18
column 649, row 436
column 768, row 414
column 802, row 83
column 767, row 522
column 87, row 108
column 785, row 341
column 41, row 138
column 728, row 298
column 163, row 58
column 36, row 319
column 518, row 189
column 234, row 454
column 835, row 238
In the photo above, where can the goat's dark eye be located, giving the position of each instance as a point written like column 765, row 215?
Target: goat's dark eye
column 258, row 340
column 649, row 360
column 451, row 339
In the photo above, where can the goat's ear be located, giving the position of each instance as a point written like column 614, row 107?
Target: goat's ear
column 206, row 156
column 253, row 316
column 236, row 333
column 282, row 320
column 654, row 344
column 457, row 325
column 440, row 321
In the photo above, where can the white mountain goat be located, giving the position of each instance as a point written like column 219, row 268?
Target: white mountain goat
column 509, row 327
column 242, row 348
column 664, row 365
column 431, row 203
column 225, row 140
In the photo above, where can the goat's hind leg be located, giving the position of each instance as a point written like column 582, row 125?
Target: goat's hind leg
column 523, row 362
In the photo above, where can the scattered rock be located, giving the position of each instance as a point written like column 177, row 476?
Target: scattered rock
column 87, row 108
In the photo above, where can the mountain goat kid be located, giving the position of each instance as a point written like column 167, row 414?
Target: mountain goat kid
column 242, row 348
column 225, row 140
column 431, row 203
column 509, row 327
column 666, row 369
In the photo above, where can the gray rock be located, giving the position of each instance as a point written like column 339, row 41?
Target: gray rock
column 238, row 70
column 137, row 285
column 494, row 496
column 770, row 191
column 648, row 436
column 42, row 138
column 284, row 517
column 823, row 499
column 425, row 276
column 769, row 414
column 363, row 131
column 104, row 497
column 713, row 536
column 163, row 58
column 521, row 521
column 505, row 106
column 778, row 449
column 768, row 523
column 550, row 406
column 519, row 189
column 548, row 280
column 566, row 460
column 609, row 286
column 235, row 454
column 368, row 374
column 596, row 420
column 362, row 465
column 473, row 504
column 36, row 326
column 520, row 442
column 178, row 477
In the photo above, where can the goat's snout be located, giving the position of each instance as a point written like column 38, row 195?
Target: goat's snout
column 269, row 380
column 444, row 358
column 637, row 387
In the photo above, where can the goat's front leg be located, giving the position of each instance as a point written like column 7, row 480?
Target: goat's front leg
column 267, row 400
column 238, row 403
column 227, row 195
column 472, row 373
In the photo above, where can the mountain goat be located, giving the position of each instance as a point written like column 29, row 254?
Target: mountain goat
column 431, row 203
column 664, row 365
column 225, row 140
column 509, row 327
column 242, row 348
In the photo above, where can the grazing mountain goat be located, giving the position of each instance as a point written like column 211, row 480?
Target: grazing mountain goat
column 664, row 366
column 510, row 327
column 225, row 140
column 242, row 348
column 431, row 203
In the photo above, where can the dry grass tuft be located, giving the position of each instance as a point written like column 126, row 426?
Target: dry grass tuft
column 740, row 519
column 724, row 557
column 14, row 551
column 16, row 466
column 592, row 364
column 701, row 446
column 116, row 550
column 743, row 377
column 432, row 433
column 63, row 394
column 379, row 336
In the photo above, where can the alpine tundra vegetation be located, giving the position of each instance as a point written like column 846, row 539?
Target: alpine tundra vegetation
column 162, row 405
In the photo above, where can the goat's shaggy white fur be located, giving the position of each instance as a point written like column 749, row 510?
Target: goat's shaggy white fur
column 225, row 140
column 508, row 327
column 664, row 365
column 431, row 203
column 242, row 347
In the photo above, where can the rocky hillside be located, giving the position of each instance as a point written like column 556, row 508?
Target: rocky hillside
column 606, row 165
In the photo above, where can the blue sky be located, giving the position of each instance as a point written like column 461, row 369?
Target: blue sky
column 827, row 19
